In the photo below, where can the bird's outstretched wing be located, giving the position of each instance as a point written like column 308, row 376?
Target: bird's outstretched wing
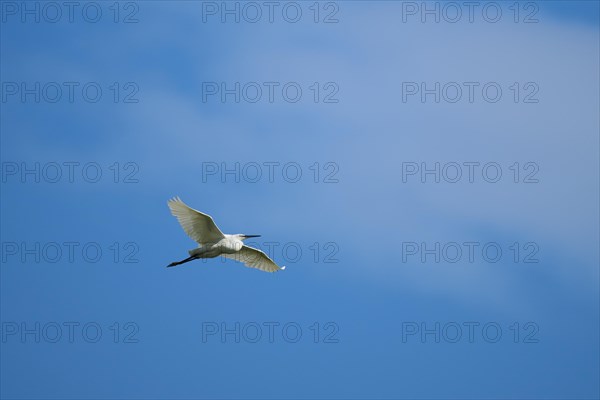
column 254, row 258
column 199, row 226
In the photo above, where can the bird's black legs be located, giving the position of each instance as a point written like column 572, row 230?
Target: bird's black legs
column 182, row 261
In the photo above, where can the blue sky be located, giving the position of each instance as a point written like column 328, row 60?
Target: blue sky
column 360, row 213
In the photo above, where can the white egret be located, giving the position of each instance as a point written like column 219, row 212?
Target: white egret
column 213, row 243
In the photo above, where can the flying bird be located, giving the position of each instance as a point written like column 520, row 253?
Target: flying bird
column 213, row 243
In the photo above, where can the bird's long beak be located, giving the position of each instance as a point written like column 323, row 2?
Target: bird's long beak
column 251, row 236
